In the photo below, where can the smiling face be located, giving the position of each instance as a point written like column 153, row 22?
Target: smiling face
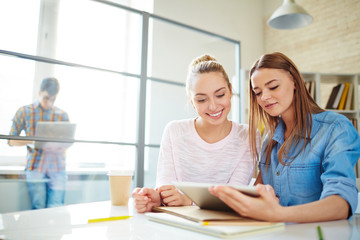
column 274, row 90
column 211, row 97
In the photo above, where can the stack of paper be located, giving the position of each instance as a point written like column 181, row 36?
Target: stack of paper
column 217, row 223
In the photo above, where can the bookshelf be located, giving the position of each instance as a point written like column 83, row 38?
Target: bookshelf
column 323, row 85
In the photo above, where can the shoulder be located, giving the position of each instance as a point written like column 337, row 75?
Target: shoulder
column 27, row 108
column 332, row 124
column 328, row 118
column 179, row 126
column 240, row 130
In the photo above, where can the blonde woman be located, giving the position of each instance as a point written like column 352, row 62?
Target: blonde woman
column 209, row 148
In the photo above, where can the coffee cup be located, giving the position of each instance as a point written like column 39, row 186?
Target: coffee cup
column 120, row 184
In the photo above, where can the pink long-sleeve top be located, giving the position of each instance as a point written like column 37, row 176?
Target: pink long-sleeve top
column 185, row 156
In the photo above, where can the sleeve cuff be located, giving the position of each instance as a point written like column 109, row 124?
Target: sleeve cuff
column 343, row 187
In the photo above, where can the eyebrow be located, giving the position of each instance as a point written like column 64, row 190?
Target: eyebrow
column 200, row 94
column 269, row 82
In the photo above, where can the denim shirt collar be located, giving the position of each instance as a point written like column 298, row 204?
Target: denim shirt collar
column 315, row 124
column 279, row 132
column 280, row 129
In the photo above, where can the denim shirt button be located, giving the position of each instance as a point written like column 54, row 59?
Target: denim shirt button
column 277, row 173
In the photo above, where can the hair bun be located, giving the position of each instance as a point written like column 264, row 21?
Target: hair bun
column 202, row 58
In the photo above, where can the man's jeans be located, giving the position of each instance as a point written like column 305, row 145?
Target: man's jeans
column 46, row 189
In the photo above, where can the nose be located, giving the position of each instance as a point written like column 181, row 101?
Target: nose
column 212, row 104
column 265, row 95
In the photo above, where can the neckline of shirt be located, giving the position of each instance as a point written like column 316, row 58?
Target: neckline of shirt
column 215, row 145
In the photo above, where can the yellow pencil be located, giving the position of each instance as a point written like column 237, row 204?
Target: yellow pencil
column 108, row 219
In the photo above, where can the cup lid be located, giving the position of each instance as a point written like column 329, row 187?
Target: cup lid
column 120, row 172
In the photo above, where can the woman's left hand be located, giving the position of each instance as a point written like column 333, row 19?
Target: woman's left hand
column 265, row 207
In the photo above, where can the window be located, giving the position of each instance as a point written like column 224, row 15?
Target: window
column 122, row 73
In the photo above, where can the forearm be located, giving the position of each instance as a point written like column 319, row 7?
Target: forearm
column 330, row 208
column 19, row 142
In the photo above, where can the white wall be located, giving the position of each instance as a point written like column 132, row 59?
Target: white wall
column 237, row 19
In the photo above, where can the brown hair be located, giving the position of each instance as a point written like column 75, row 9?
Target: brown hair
column 304, row 106
column 204, row 64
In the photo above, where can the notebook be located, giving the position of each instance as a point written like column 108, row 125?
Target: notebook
column 200, row 195
column 218, row 228
column 55, row 130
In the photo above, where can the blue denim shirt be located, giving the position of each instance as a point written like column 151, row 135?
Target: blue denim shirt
column 324, row 168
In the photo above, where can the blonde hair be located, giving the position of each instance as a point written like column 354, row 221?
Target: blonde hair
column 204, row 64
column 304, row 106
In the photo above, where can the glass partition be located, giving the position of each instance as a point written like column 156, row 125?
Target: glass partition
column 26, row 26
column 103, row 37
column 150, row 166
column 121, row 73
column 166, row 102
column 174, row 46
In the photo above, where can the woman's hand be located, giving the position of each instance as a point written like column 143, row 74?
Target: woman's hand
column 265, row 207
column 145, row 199
column 171, row 196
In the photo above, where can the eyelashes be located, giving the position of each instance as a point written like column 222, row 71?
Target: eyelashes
column 203, row 100
column 271, row 88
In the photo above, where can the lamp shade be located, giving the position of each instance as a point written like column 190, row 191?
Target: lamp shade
column 289, row 16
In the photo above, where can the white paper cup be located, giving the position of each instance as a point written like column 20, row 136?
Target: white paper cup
column 120, row 184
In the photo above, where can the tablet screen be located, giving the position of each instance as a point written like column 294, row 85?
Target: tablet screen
column 200, row 195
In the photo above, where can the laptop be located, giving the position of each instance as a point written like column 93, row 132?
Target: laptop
column 54, row 130
column 200, row 195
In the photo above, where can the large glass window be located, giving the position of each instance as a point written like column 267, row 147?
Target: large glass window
column 173, row 46
column 103, row 37
column 104, row 55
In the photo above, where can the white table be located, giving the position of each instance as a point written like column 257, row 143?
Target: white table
column 70, row 222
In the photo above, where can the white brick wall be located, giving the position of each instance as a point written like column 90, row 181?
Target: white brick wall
column 331, row 44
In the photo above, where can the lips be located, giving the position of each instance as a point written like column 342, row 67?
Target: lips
column 216, row 115
column 270, row 105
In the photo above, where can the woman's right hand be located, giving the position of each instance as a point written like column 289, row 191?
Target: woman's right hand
column 145, row 199
column 171, row 196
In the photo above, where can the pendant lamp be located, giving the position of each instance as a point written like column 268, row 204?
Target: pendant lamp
column 289, row 16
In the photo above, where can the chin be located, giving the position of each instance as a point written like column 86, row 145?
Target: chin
column 272, row 113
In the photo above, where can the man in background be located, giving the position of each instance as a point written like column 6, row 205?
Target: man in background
column 45, row 169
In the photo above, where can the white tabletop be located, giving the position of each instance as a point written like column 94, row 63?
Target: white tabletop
column 70, row 222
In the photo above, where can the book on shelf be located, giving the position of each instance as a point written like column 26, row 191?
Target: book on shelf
column 343, row 97
column 334, row 92
column 310, row 86
column 349, row 97
column 338, row 96
column 354, row 122
column 223, row 224
column 312, row 89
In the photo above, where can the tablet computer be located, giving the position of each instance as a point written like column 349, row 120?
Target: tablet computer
column 54, row 130
column 200, row 195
